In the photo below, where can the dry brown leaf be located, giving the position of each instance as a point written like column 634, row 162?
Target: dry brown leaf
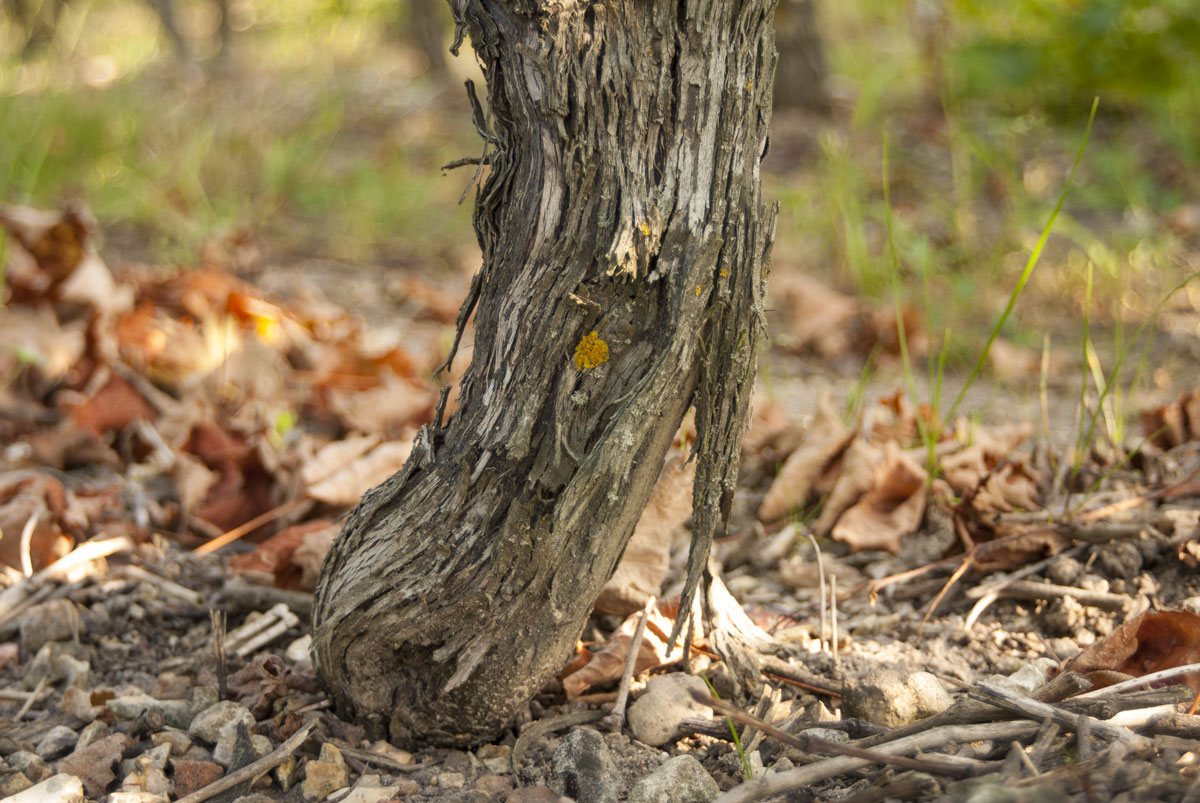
column 91, row 285
column 818, row 318
column 771, row 428
column 390, row 408
column 93, row 765
column 1150, row 642
column 430, row 300
column 252, row 371
column 166, row 349
column 335, row 456
column 856, row 476
column 310, row 555
column 265, row 679
column 346, row 485
column 608, row 662
column 33, row 336
column 644, row 564
column 113, row 407
column 47, row 246
column 192, row 480
column 988, row 474
column 1013, row 486
column 292, row 557
column 1173, row 424
column 892, row 508
column 24, row 495
column 67, row 446
column 892, row 418
column 825, row 439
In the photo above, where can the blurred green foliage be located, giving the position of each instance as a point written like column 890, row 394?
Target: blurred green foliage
column 1061, row 54
column 321, row 131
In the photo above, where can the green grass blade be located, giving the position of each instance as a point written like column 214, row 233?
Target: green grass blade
column 1034, row 256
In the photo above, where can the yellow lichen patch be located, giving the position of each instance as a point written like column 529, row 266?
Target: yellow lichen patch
column 644, row 228
column 591, row 351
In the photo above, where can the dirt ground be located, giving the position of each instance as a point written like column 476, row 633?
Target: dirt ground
column 80, row 652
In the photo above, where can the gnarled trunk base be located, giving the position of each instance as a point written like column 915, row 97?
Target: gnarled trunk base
column 624, row 243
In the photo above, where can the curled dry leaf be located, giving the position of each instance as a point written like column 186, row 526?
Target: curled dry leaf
column 891, row 509
column 49, row 246
column 818, row 317
column 54, row 259
column 1149, row 642
column 116, row 405
column 333, row 457
column 823, row 442
column 33, row 337
column 644, row 564
column 32, row 501
column 856, row 477
column 893, row 418
column 607, row 663
column 1173, row 424
column 346, row 485
column 292, row 557
column 989, row 475
column 393, row 406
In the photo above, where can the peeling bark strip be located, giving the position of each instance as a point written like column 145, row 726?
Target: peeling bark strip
column 625, row 247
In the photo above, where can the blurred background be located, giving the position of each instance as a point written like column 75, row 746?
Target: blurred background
column 267, row 133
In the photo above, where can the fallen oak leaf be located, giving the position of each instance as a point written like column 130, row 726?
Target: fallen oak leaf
column 854, row 479
column 608, row 662
column 346, row 485
column 292, row 557
column 1150, row 642
column 824, row 440
column 1173, row 424
column 890, row 510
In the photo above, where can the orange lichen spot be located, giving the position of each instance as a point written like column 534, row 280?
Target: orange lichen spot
column 699, row 290
column 724, row 273
column 644, row 228
column 591, row 351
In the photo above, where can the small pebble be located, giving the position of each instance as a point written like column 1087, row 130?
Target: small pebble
column 451, row 780
column 178, row 741
column 657, row 716
column 57, row 620
column 681, row 779
column 325, row 775
column 58, row 789
column 893, row 698
column 192, row 775
column 208, row 725
column 495, row 785
column 57, row 742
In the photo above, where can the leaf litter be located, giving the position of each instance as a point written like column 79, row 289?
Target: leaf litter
column 178, row 448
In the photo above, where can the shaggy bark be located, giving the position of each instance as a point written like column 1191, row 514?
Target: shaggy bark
column 622, row 199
